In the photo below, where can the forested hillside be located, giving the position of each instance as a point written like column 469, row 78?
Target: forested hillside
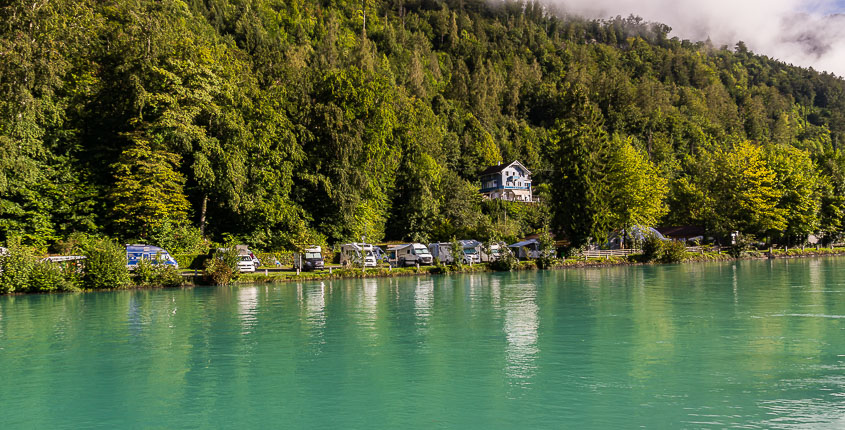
column 282, row 122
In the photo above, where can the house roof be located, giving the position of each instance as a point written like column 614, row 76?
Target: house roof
column 500, row 167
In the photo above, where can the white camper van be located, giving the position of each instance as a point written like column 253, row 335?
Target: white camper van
column 442, row 251
column 497, row 249
column 409, row 254
column 357, row 254
column 470, row 251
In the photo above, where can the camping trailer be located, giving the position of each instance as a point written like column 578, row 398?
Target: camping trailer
column 137, row 252
column 310, row 259
column 409, row 254
column 357, row 254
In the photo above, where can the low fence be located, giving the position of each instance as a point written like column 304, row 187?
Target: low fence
column 607, row 253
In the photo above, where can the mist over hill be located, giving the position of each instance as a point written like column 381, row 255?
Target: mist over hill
column 804, row 33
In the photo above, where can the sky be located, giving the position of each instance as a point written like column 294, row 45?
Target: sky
column 809, row 33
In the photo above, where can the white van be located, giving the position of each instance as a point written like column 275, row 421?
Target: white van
column 357, row 254
column 246, row 264
column 409, row 254
column 244, row 250
column 497, row 249
column 470, row 251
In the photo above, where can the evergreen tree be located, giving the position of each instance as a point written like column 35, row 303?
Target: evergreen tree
column 148, row 191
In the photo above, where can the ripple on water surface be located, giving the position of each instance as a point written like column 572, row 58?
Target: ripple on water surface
column 749, row 345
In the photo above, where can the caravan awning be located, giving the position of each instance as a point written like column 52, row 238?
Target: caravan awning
column 528, row 242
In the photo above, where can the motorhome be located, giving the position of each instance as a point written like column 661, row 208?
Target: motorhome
column 380, row 254
column 357, row 254
column 470, row 251
column 409, row 254
column 136, row 253
column 494, row 252
column 310, row 259
column 442, row 251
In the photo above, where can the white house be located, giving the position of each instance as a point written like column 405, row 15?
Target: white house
column 507, row 182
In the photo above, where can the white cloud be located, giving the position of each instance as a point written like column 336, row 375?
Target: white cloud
column 801, row 32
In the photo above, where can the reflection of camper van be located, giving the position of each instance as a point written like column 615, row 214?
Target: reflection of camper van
column 409, row 254
column 357, row 254
column 136, row 253
column 497, row 249
column 309, row 260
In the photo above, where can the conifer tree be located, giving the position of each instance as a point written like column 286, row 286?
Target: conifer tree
column 148, row 190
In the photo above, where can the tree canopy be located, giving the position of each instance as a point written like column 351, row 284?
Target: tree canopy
column 285, row 122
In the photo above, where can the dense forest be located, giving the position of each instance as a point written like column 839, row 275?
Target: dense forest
column 283, row 122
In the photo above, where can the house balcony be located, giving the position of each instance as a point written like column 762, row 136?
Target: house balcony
column 506, row 187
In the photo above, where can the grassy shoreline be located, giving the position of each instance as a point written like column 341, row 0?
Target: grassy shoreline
column 384, row 272
column 572, row 263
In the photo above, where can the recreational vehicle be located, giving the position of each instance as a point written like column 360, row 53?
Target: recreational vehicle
column 409, row 254
column 357, row 254
column 470, row 253
column 311, row 259
column 495, row 252
column 136, row 253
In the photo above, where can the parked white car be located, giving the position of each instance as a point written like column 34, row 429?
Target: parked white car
column 245, row 264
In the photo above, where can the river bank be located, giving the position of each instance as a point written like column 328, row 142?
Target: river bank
column 570, row 263
column 197, row 279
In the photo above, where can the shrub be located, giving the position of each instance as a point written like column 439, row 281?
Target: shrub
column 547, row 251
column 105, row 265
column 742, row 244
column 15, row 267
column 457, row 251
column 222, row 267
column 673, row 252
column 46, row 276
column 192, row 261
column 144, row 272
column 506, row 262
column 168, row 276
column 652, row 247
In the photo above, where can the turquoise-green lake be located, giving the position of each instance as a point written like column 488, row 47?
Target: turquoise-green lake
column 753, row 344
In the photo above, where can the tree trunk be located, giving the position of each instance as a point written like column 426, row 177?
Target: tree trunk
column 202, row 214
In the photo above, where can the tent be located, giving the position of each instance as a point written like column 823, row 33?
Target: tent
column 631, row 235
column 526, row 249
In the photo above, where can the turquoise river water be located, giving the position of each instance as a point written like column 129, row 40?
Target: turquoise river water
column 753, row 344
